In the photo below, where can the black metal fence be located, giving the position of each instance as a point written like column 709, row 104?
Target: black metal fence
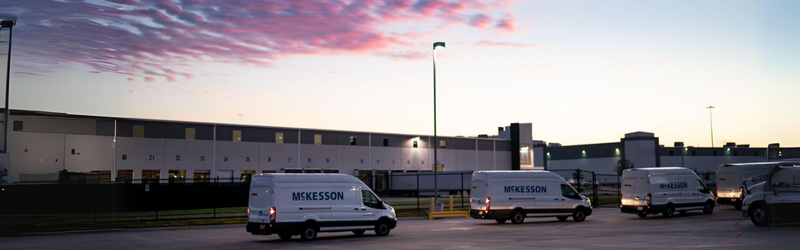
column 421, row 184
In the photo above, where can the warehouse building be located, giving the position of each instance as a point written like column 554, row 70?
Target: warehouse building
column 132, row 150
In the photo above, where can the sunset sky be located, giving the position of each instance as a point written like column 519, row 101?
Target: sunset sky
column 580, row 71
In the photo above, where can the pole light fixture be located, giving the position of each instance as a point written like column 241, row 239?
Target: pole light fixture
column 436, row 45
column 711, row 121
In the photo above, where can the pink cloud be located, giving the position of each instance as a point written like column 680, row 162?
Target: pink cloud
column 131, row 80
column 149, row 79
column 504, row 44
column 165, row 39
column 508, row 24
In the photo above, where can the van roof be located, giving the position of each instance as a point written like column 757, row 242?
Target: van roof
column 661, row 170
column 771, row 163
column 307, row 177
column 516, row 173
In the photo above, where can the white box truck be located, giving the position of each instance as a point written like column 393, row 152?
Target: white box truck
column 731, row 178
column 776, row 200
column 514, row 195
column 305, row 204
column 664, row 190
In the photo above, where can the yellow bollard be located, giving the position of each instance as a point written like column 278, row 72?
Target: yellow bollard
column 451, row 205
column 430, row 212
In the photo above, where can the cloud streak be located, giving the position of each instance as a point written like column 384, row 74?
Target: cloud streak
column 163, row 39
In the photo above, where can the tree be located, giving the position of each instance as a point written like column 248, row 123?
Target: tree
column 622, row 165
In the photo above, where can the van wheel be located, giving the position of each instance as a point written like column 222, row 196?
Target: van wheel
column 708, row 208
column 760, row 216
column 641, row 214
column 382, row 229
column 562, row 218
column 285, row 236
column 309, row 233
column 359, row 232
column 501, row 221
column 669, row 212
column 517, row 217
column 579, row 215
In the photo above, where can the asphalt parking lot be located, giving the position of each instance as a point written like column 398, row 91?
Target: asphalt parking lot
column 607, row 228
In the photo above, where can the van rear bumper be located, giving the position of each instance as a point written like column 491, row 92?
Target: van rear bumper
column 729, row 201
column 643, row 209
column 267, row 229
column 491, row 214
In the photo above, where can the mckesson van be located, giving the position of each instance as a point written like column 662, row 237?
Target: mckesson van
column 730, row 179
column 514, row 195
column 775, row 200
column 664, row 190
column 305, row 204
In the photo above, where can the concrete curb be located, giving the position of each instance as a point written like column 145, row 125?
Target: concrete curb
column 147, row 229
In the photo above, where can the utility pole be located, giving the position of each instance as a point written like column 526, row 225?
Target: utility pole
column 711, row 121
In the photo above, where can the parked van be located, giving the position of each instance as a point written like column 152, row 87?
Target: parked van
column 775, row 200
column 514, row 195
column 730, row 179
column 664, row 190
column 305, row 204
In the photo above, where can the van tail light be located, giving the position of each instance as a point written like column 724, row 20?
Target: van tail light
column 248, row 210
column 488, row 203
column 470, row 200
column 649, row 200
column 741, row 192
column 272, row 215
column 717, row 189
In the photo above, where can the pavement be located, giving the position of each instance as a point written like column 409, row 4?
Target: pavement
column 607, row 228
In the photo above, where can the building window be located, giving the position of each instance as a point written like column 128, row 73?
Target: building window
column 125, row 176
column 694, row 153
column 151, row 175
column 177, row 176
column 671, row 153
column 735, row 153
column 317, row 139
column 755, row 153
column 278, row 137
column 442, row 144
column 330, row 171
column 246, row 175
column 293, row 171
column 353, row 140
column 190, row 134
column 715, row 153
column 237, row 135
column 415, row 144
column 268, row 171
column 138, row 131
column 385, row 142
column 202, row 176
column 17, row 125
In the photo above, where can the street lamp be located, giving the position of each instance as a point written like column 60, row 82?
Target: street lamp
column 6, row 22
column 436, row 45
column 711, row 120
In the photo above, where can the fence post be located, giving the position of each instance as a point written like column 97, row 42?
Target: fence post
column 157, row 201
column 216, row 183
column 595, row 187
column 462, row 190
column 619, row 190
column 578, row 179
column 417, row 191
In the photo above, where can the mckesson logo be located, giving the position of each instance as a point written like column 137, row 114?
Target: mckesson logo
column 317, row 196
column 674, row 185
column 524, row 189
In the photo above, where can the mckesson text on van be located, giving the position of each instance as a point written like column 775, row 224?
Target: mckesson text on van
column 317, row 196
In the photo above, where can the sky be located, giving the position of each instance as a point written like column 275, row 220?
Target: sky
column 580, row 71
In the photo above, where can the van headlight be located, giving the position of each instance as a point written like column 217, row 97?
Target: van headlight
column 589, row 201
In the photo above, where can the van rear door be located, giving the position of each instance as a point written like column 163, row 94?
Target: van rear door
column 479, row 192
column 260, row 200
column 634, row 190
column 728, row 185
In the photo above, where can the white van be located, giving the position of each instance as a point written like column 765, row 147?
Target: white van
column 730, row 179
column 664, row 190
column 304, row 204
column 775, row 200
column 514, row 195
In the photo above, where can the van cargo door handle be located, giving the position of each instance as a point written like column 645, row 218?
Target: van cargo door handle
column 355, row 208
column 363, row 209
column 557, row 199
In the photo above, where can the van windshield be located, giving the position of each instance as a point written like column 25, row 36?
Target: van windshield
column 370, row 200
column 569, row 192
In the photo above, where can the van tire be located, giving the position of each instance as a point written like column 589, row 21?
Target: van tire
column 359, row 232
column 708, row 208
column 760, row 216
column 517, row 217
column 669, row 212
column 501, row 221
column 382, row 229
column 309, row 232
column 579, row 215
column 562, row 218
column 285, row 236
column 641, row 214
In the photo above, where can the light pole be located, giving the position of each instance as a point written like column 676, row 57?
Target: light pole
column 711, row 121
column 7, row 23
column 435, row 139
